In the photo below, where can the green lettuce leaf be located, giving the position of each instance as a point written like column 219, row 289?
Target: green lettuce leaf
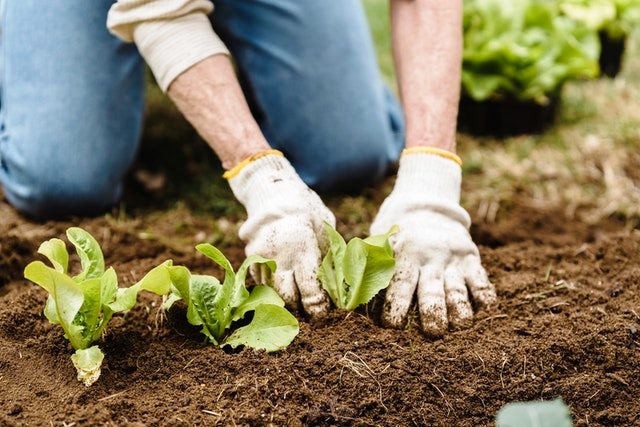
column 67, row 297
column 216, row 306
column 271, row 329
column 157, row 281
column 353, row 273
column 205, row 296
column 89, row 251
column 259, row 295
column 83, row 305
column 230, row 292
column 330, row 273
column 89, row 314
column 241, row 276
column 180, row 278
column 233, row 292
column 56, row 251
column 108, row 292
column 367, row 270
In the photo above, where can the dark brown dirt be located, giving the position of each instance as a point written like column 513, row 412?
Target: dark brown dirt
column 567, row 324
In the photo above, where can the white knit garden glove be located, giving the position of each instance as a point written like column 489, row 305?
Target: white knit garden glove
column 285, row 223
column 434, row 251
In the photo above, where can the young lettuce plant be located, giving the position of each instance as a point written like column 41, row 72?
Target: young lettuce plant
column 83, row 304
column 353, row 273
column 216, row 306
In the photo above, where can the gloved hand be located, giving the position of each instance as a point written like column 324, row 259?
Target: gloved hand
column 285, row 223
column 434, row 251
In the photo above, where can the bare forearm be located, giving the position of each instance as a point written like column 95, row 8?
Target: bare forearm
column 427, row 46
column 209, row 96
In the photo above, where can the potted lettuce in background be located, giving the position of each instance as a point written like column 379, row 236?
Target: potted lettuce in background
column 613, row 20
column 517, row 56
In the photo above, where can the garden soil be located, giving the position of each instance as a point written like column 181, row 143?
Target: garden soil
column 567, row 324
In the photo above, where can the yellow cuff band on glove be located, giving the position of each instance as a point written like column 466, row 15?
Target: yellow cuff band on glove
column 432, row 150
column 237, row 168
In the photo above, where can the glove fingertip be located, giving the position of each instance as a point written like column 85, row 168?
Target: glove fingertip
column 485, row 298
column 317, row 309
column 433, row 332
column 434, row 323
column 284, row 284
column 460, row 316
column 394, row 315
column 399, row 295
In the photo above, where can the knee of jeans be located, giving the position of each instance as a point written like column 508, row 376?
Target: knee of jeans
column 50, row 197
column 360, row 159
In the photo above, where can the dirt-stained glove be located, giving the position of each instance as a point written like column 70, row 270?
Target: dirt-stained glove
column 285, row 223
column 434, row 251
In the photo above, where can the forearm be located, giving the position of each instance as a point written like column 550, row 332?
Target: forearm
column 427, row 47
column 210, row 97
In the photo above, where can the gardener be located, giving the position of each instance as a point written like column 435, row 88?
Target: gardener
column 312, row 113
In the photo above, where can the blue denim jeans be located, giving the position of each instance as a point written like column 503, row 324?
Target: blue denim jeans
column 72, row 96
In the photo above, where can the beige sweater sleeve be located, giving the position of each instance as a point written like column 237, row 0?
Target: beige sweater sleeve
column 171, row 35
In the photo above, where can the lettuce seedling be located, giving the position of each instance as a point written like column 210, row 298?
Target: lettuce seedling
column 216, row 306
column 83, row 304
column 353, row 273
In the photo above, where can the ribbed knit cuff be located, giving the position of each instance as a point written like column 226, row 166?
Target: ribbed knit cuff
column 431, row 176
column 263, row 180
column 172, row 46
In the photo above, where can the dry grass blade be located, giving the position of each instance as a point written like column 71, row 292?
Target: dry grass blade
column 446, row 402
column 355, row 363
column 111, row 396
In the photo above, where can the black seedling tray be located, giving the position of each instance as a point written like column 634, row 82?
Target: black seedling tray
column 505, row 117
column 611, row 55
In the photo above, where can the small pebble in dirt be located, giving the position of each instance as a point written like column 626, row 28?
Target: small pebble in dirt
column 15, row 410
column 615, row 292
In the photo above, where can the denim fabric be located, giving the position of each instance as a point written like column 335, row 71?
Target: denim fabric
column 72, row 102
column 309, row 71
column 71, row 97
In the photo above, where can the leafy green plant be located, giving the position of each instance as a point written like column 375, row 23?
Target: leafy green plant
column 533, row 414
column 595, row 14
column 84, row 304
column 353, row 273
column 217, row 307
column 523, row 49
column 617, row 18
column 627, row 19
